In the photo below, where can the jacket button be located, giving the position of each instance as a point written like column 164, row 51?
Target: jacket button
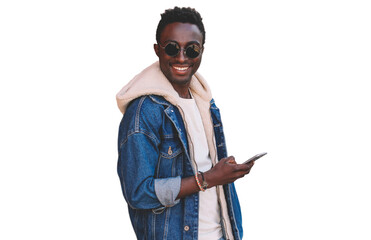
column 186, row 228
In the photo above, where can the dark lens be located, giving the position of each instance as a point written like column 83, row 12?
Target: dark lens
column 193, row 51
column 172, row 49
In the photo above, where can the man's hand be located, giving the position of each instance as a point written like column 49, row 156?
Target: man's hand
column 227, row 171
column 224, row 172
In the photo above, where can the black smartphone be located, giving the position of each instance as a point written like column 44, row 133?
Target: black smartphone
column 254, row 158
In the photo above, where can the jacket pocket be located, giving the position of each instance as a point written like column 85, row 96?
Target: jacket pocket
column 170, row 162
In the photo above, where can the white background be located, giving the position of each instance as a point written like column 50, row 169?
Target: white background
column 290, row 77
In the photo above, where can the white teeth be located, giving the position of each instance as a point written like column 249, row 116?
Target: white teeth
column 180, row 68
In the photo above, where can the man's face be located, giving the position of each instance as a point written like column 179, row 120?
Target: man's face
column 179, row 69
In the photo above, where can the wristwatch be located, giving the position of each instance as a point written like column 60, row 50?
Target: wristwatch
column 204, row 183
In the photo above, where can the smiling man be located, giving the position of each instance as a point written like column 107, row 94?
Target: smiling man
column 173, row 166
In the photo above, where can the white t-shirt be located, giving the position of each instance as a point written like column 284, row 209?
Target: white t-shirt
column 209, row 210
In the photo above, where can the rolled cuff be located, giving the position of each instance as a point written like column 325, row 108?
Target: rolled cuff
column 167, row 189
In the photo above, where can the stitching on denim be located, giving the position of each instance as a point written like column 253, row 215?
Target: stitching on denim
column 179, row 151
column 167, row 213
column 150, row 135
column 138, row 112
column 136, row 217
column 124, row 189
column 158, row 166
column 165, row 136
column 184, row 144
column 154, row 226
column 139, row 132
column 173, row 165
column 123, row 183
column 163, row 102
column 234, row 217
column 130, row 132
column 182, row 164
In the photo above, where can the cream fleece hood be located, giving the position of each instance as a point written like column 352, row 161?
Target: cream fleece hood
column 151, row 81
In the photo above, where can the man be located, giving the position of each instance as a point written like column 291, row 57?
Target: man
column 173, row 165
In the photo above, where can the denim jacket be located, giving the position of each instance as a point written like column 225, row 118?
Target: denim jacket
column 153, row 157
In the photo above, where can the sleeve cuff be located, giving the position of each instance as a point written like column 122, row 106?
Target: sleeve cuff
column 167, row 189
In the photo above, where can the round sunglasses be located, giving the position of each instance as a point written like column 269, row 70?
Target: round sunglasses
column 172, row 49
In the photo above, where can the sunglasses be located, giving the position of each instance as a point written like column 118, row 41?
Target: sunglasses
column 172, row 49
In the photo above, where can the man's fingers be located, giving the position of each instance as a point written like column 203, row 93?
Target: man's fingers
column 245, row 168
column 230, row 159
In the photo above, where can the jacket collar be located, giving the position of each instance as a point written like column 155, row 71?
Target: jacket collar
column 160, row 100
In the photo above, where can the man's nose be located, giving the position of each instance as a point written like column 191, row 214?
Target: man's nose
column 181, row 57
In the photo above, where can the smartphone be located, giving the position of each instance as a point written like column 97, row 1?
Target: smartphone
column 254, row 158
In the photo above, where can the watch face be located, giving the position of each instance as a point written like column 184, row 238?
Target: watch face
column 204, row 183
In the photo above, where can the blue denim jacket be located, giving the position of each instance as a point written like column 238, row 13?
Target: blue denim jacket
column 153, row 157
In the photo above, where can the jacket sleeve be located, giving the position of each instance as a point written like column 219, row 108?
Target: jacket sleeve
column 138, row 157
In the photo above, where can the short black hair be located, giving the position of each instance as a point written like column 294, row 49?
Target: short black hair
column 183, row 15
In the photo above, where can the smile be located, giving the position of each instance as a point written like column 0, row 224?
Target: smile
column 180, row 68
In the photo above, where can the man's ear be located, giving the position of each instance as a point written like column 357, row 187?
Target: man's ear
column 155, row 46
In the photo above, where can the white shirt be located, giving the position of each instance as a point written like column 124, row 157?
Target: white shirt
column 209, row 210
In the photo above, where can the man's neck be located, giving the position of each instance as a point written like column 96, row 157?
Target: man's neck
column 182, row 90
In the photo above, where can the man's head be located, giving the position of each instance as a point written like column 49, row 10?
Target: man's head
column 183, row 15
column 180, row 39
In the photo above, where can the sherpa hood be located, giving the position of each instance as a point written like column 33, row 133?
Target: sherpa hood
column 151, row 81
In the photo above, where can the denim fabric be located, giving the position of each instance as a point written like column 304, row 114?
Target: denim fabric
column 153, row 157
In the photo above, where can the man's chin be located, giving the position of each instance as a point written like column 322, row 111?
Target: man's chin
column 181, row 81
